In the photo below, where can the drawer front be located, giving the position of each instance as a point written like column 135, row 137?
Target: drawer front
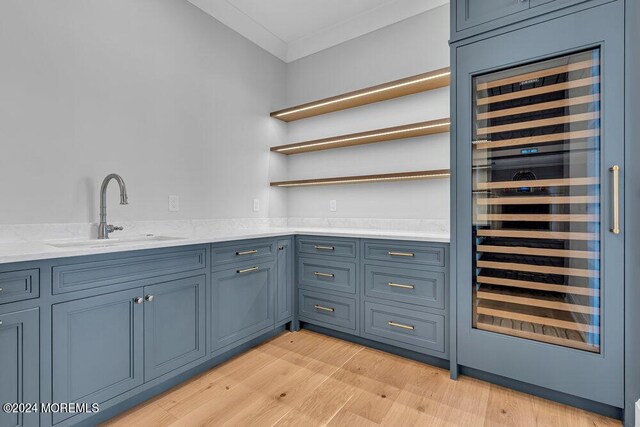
column 327, row 309
column 243, row 251
column 405, row 253
column 19, row 285
column 322, row 275
column 328, row 247
column 410, row 329
column 426, row 288
column 88, row 275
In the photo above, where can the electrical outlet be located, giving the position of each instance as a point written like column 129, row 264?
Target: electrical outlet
column 174, row 203
column 333, row 205
column 256, row 205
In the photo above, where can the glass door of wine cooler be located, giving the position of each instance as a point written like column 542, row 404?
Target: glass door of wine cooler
column 540, row 294
column 536, row 201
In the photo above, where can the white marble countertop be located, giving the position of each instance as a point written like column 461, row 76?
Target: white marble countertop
column 32, row 250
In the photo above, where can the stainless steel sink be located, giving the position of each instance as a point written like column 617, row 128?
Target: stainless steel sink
column 102, row 243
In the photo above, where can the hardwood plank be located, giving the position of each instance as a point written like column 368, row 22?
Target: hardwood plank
column 147, row 415
column 397, row 88
column 561, row 103
column 580, row 272
column 539, row 217
column 536, row 302
column 523, row 250
column 573, row 84
column 538, row 286
column 539, row 319
column 526, row 234
column 537, row 74
column 379, row 135
column 538, row 337
column 484, row 144
column 388, row 177
column 572, row 118
column 558, row 182
column 536, row 200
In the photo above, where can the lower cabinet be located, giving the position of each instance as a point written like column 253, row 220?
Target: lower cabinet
column 97, row 348
column 174, row 325
column 413, row 329
column 332, row 311
column 19, row 356
column 284, row 283
column 106, row 345
column 242, row 303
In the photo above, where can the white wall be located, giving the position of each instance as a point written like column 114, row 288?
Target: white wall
column 155, row 90
column 410, row 47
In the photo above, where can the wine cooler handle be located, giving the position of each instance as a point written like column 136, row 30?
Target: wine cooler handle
column 615, row 228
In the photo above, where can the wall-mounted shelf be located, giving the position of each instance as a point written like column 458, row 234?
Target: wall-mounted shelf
column 379, row 135
column 403, row 176
column 407, row 86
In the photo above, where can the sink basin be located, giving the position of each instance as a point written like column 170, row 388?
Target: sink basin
column 96, row 243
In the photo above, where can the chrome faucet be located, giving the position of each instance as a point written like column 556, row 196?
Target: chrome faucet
column 103, row 228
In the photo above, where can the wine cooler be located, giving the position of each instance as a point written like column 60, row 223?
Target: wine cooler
column 536, row 200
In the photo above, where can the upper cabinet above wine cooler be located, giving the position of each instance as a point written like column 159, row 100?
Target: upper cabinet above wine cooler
column 472, row 17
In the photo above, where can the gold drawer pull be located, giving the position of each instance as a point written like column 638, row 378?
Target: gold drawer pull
column 615, row 228
column 317, row 273
column 400, row 325
column 407, row 254
column 399, row 285
column 319, row 307
column 247, row 270
column 325, row 248
column 251, row 252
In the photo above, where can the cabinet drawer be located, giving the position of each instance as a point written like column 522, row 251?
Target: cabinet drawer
column 327, row 310
column 242, row 251
column 400, row 284
column 405, row 253
column 410, row 329
column 328, row 247
column 125, row 269
column 19, row 285
column 322, row 274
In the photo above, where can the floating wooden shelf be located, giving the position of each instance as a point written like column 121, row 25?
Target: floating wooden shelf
column 404, row 176
column 407, row 86
column 379, row 135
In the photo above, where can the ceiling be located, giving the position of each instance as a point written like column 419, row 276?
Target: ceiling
column 292, row 29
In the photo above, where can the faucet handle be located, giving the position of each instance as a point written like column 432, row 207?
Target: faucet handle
column 112, row 228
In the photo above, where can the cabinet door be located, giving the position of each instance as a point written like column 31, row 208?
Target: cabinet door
column 476, row 12
column 284, row 287
column 540, row 257
column 243, row 303
column 174, row 324
column 97, row 348
column 19, row 353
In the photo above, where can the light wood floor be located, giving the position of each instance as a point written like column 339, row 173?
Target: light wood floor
column 308, row 379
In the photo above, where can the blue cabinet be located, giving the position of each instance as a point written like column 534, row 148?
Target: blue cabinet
column 284, row 282
column 20, row 358
column 174, row 325
column 242, row 303
column 539, row 284
column 474, row 12
column 474, row 17
column 19, row 285
column 97, row 348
